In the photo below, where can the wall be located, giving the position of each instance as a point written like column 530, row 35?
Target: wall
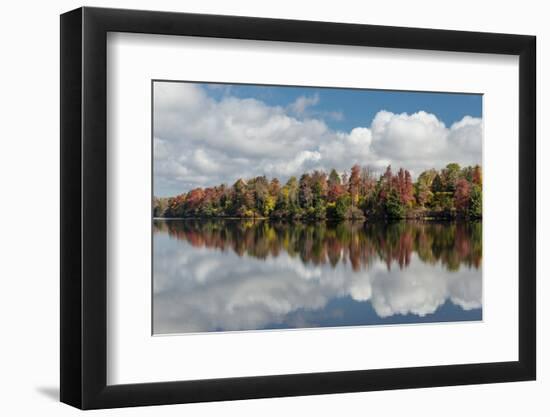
column 29, row 101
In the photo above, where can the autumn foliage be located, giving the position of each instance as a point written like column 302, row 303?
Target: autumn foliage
column 448, row 193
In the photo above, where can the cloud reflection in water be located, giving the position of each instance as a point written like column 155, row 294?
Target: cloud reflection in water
column 228, row 275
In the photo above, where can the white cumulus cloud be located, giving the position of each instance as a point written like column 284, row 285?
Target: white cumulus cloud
column 300, row 105
column 200, row 141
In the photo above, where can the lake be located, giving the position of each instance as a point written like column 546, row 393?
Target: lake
column 235, row 275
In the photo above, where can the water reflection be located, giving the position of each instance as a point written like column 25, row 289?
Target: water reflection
column 220, row 275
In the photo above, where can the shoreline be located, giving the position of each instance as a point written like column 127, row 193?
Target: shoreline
column 302, row 220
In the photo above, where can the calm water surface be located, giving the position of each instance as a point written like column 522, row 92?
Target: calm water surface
column 223, row 275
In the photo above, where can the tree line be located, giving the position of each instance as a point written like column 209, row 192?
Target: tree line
column 452, row 192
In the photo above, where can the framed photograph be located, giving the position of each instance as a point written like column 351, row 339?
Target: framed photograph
column 257, row 208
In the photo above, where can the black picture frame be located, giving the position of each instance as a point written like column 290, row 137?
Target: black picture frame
column 84, row 207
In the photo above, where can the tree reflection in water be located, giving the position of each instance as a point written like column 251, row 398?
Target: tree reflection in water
column 452, row 244
column 223, row 275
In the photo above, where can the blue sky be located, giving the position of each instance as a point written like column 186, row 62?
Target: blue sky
column 358, row 106
column 208, row 134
